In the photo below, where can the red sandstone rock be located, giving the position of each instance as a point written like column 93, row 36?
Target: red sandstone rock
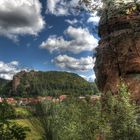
column 118, row 53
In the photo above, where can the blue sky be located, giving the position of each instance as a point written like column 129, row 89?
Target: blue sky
column 46, row 35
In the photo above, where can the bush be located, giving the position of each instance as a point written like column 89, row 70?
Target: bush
column 8, row 129
column 6, row 111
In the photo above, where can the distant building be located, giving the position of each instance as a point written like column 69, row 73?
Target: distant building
column 49, row 98
column 1, row 100
column 11, row 101
column 82, row 97
column 95, row 98
column 62, row 97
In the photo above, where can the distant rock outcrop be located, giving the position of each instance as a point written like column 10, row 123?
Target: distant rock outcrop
column 118, row 53
column 17, row 80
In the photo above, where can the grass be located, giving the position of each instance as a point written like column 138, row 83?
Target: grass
column 34, row 134
column 22, row 112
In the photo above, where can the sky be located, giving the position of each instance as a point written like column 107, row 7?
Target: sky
column 47, row 35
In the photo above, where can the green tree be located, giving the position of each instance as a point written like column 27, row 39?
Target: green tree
column 120, row 114
column 6, row 111
column 72, row 119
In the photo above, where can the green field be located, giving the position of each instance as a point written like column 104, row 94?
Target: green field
column 34, row 134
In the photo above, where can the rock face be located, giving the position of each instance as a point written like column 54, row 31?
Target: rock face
column 17, row 80
column 118, row 53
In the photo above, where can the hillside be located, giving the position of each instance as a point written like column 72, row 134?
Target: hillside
column 3, row 81
column 52, row 83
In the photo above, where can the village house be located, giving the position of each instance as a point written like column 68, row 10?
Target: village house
column 95, row 98
column 62, row 97
column 1, row 100
column 11, row 101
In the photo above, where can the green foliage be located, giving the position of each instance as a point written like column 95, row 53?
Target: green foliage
column 6, row 111
column 8, row 129
column 50, row 83
column 72, row 119
column 33, row 134
column 78, row 120
column 3, row 82
column 12, row 131
column 114, row 117
column 120, row 115
column 22, row 112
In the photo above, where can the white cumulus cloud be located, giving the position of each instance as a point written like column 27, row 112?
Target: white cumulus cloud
column 80, row 39
column 71, row 63
column 19, row 17
column 8, row 70
column 61, row 7
column 71, row 22
column 94, row 18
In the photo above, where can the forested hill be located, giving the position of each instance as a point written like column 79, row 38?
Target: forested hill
column 53, row 83
column 3, row 81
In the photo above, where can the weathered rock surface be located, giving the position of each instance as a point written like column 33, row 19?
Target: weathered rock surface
column 18, row 78
column 118, row 53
